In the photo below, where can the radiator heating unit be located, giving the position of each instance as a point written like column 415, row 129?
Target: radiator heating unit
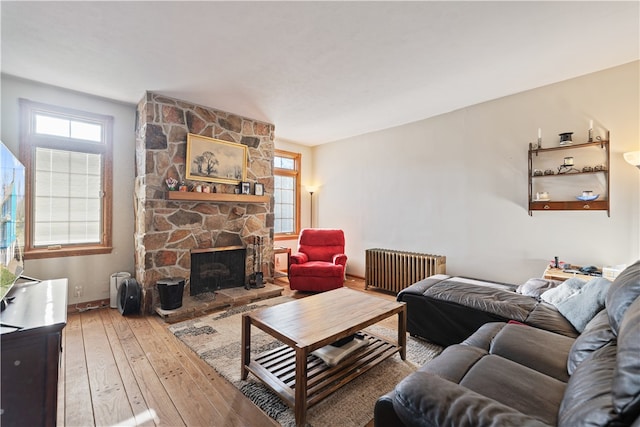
column 393, row 270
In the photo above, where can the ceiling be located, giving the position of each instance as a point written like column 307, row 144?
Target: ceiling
column 319, row 71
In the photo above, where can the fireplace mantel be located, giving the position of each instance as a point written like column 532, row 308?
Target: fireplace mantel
column 193, row 196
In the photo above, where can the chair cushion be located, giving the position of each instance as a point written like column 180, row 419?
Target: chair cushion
column 321, row 244
column 316, row 268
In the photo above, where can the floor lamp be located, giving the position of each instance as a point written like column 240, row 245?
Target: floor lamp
column 311, row 190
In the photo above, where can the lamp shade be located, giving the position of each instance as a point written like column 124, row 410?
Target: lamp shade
column 633, row 158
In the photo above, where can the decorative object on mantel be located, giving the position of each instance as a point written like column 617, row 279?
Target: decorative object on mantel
column 214, row 160
column 565, row 138
column 258, row 189
column 245, row 188
column 183, row 187
column 171, row 183
column 590, row 130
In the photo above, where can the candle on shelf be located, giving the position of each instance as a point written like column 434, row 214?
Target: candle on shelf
column 590, row 130
column 539, row 138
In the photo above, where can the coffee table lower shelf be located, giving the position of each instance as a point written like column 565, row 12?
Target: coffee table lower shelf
column 277, row 369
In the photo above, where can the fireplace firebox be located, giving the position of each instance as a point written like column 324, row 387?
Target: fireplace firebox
column 217, row 268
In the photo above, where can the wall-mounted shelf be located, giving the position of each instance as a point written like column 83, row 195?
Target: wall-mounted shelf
column 191, row 196
column 568, row 179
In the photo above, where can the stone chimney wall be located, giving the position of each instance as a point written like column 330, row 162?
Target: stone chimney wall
column 166, row 230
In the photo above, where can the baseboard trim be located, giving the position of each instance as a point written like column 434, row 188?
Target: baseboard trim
column 88, row 305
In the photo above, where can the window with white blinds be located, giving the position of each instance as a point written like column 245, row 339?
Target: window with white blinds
column 286, row 167
column 68, row 161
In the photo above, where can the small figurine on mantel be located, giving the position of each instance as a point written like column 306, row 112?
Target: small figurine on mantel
column 171, row 183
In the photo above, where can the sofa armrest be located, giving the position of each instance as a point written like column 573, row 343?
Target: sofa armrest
column 384, row 414
column 424, row 399
column 298, row 258
column 340, row 259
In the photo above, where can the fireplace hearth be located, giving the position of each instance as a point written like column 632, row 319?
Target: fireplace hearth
column 217, row 268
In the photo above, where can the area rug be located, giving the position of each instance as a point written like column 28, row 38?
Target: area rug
column 216, row 339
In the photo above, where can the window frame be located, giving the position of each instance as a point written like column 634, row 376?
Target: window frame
column 29, row 141
column 296, row 173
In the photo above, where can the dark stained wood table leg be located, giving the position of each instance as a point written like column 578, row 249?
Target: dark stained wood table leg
column 402, row 332
column 300, row 407
column 246, row 346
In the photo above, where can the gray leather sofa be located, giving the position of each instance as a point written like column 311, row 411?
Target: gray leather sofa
column 517, row 375
column 447, row 309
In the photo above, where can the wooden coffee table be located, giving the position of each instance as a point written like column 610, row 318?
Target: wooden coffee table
column 307, row 324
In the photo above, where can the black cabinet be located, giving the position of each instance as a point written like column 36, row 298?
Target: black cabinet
column 31, row 337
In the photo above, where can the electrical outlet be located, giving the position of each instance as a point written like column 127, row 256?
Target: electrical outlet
column 78, row 291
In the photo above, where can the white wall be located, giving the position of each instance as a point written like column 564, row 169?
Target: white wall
column 91, row 271
column 456, row 184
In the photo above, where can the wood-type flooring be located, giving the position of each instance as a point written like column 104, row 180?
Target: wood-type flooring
column 130, row 370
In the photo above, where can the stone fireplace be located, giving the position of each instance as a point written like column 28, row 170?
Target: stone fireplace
column 168, row 229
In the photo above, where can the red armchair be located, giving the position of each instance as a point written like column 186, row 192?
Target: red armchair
column 320, row 263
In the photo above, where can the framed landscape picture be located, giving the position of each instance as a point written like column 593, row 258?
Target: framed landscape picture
column 214, row 160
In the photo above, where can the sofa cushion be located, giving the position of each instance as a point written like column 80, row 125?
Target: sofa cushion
column 424, row 400
column 587, row 399
column 622, row 292
column 563, row 291
column 454, row 362
column 516, row 386
column 626, row 378
column 540, row 350
column 492, row 298
column 596, row 335
column 580, row 307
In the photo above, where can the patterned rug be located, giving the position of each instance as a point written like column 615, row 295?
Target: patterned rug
column 216, row 339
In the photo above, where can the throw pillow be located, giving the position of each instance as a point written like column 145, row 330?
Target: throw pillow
column 536, row 286
column 563, row 291
column 581, row 307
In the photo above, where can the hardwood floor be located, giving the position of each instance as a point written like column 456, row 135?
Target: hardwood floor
column 130, row 370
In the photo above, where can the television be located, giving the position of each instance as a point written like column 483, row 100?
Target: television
column 12, row 223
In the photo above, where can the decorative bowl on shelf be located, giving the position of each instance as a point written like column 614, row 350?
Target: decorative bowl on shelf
column 588, row 198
